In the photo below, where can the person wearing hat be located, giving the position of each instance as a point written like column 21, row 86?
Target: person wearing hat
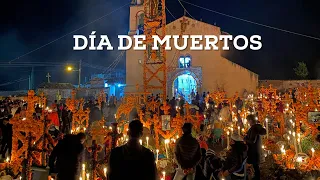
column 254, row 142
column 232, row 167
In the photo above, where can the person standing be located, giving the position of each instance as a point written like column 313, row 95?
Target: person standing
column 132, row 160
column 6, row 143
column 95, row 114
column 187, row 153
column 253, row 140
column 66, row 157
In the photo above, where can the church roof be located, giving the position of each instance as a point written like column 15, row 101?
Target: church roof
column 222, row 33
column 186, row 17
column 47, row 85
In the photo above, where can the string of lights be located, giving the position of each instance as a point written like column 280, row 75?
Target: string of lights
column 170, row 13
column 185, row 9
column 98, row 19
column 248, row 21
column 15, row 81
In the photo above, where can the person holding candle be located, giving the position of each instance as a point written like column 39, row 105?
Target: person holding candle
column 187, row 153
column 253, row 140
column 233, row 165
column 132, row 160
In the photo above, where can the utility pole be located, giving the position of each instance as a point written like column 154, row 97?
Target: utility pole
column 32, row 78
column 29, row 82
column 79, row 74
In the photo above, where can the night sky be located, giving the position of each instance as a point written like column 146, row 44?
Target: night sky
column 27, row 25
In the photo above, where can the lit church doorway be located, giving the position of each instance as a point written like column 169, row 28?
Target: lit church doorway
column 184, row 85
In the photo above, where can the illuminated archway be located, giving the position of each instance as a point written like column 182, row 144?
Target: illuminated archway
column 184, row 85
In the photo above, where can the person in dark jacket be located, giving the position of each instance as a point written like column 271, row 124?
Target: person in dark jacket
column 66, row 157
column 188, row 154
column 132, row 160
column 66, row 120
column 212, row 165
column 95, row 114
column 6, row 143
column 253, row 140
column 232, row 167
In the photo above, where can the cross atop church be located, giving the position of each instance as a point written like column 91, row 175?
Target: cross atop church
column 184, row 23
column 48, row 76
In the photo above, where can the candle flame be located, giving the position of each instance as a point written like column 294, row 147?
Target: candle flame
column 299, row 159
column 312, row 149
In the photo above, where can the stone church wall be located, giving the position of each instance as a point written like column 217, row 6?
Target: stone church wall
column 218, row 73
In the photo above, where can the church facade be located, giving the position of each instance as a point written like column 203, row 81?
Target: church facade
column 188, row 71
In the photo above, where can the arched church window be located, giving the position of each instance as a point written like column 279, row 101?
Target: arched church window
column 187, row 61
column 140, row 23
column 184, row 62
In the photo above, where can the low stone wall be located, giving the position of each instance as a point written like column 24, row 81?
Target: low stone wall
column 284, row 85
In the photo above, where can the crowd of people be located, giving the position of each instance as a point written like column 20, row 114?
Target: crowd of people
column 195, row 160
column 195, row 156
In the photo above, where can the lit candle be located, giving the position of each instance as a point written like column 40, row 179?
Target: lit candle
column 295, row 142
column 147, row 141
column 228, row 140
column 80, row 178
column 83, row 171
column 88, row 176
column 299, row 145
column 312, row 150
column 164, row 174
column 166, row 147
column 239, row 130
column 105, row 171
column 140, row 142
column 288, row 139
column 267, row 128
column 157, row 158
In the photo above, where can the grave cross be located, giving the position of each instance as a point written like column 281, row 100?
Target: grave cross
column 48, row 76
